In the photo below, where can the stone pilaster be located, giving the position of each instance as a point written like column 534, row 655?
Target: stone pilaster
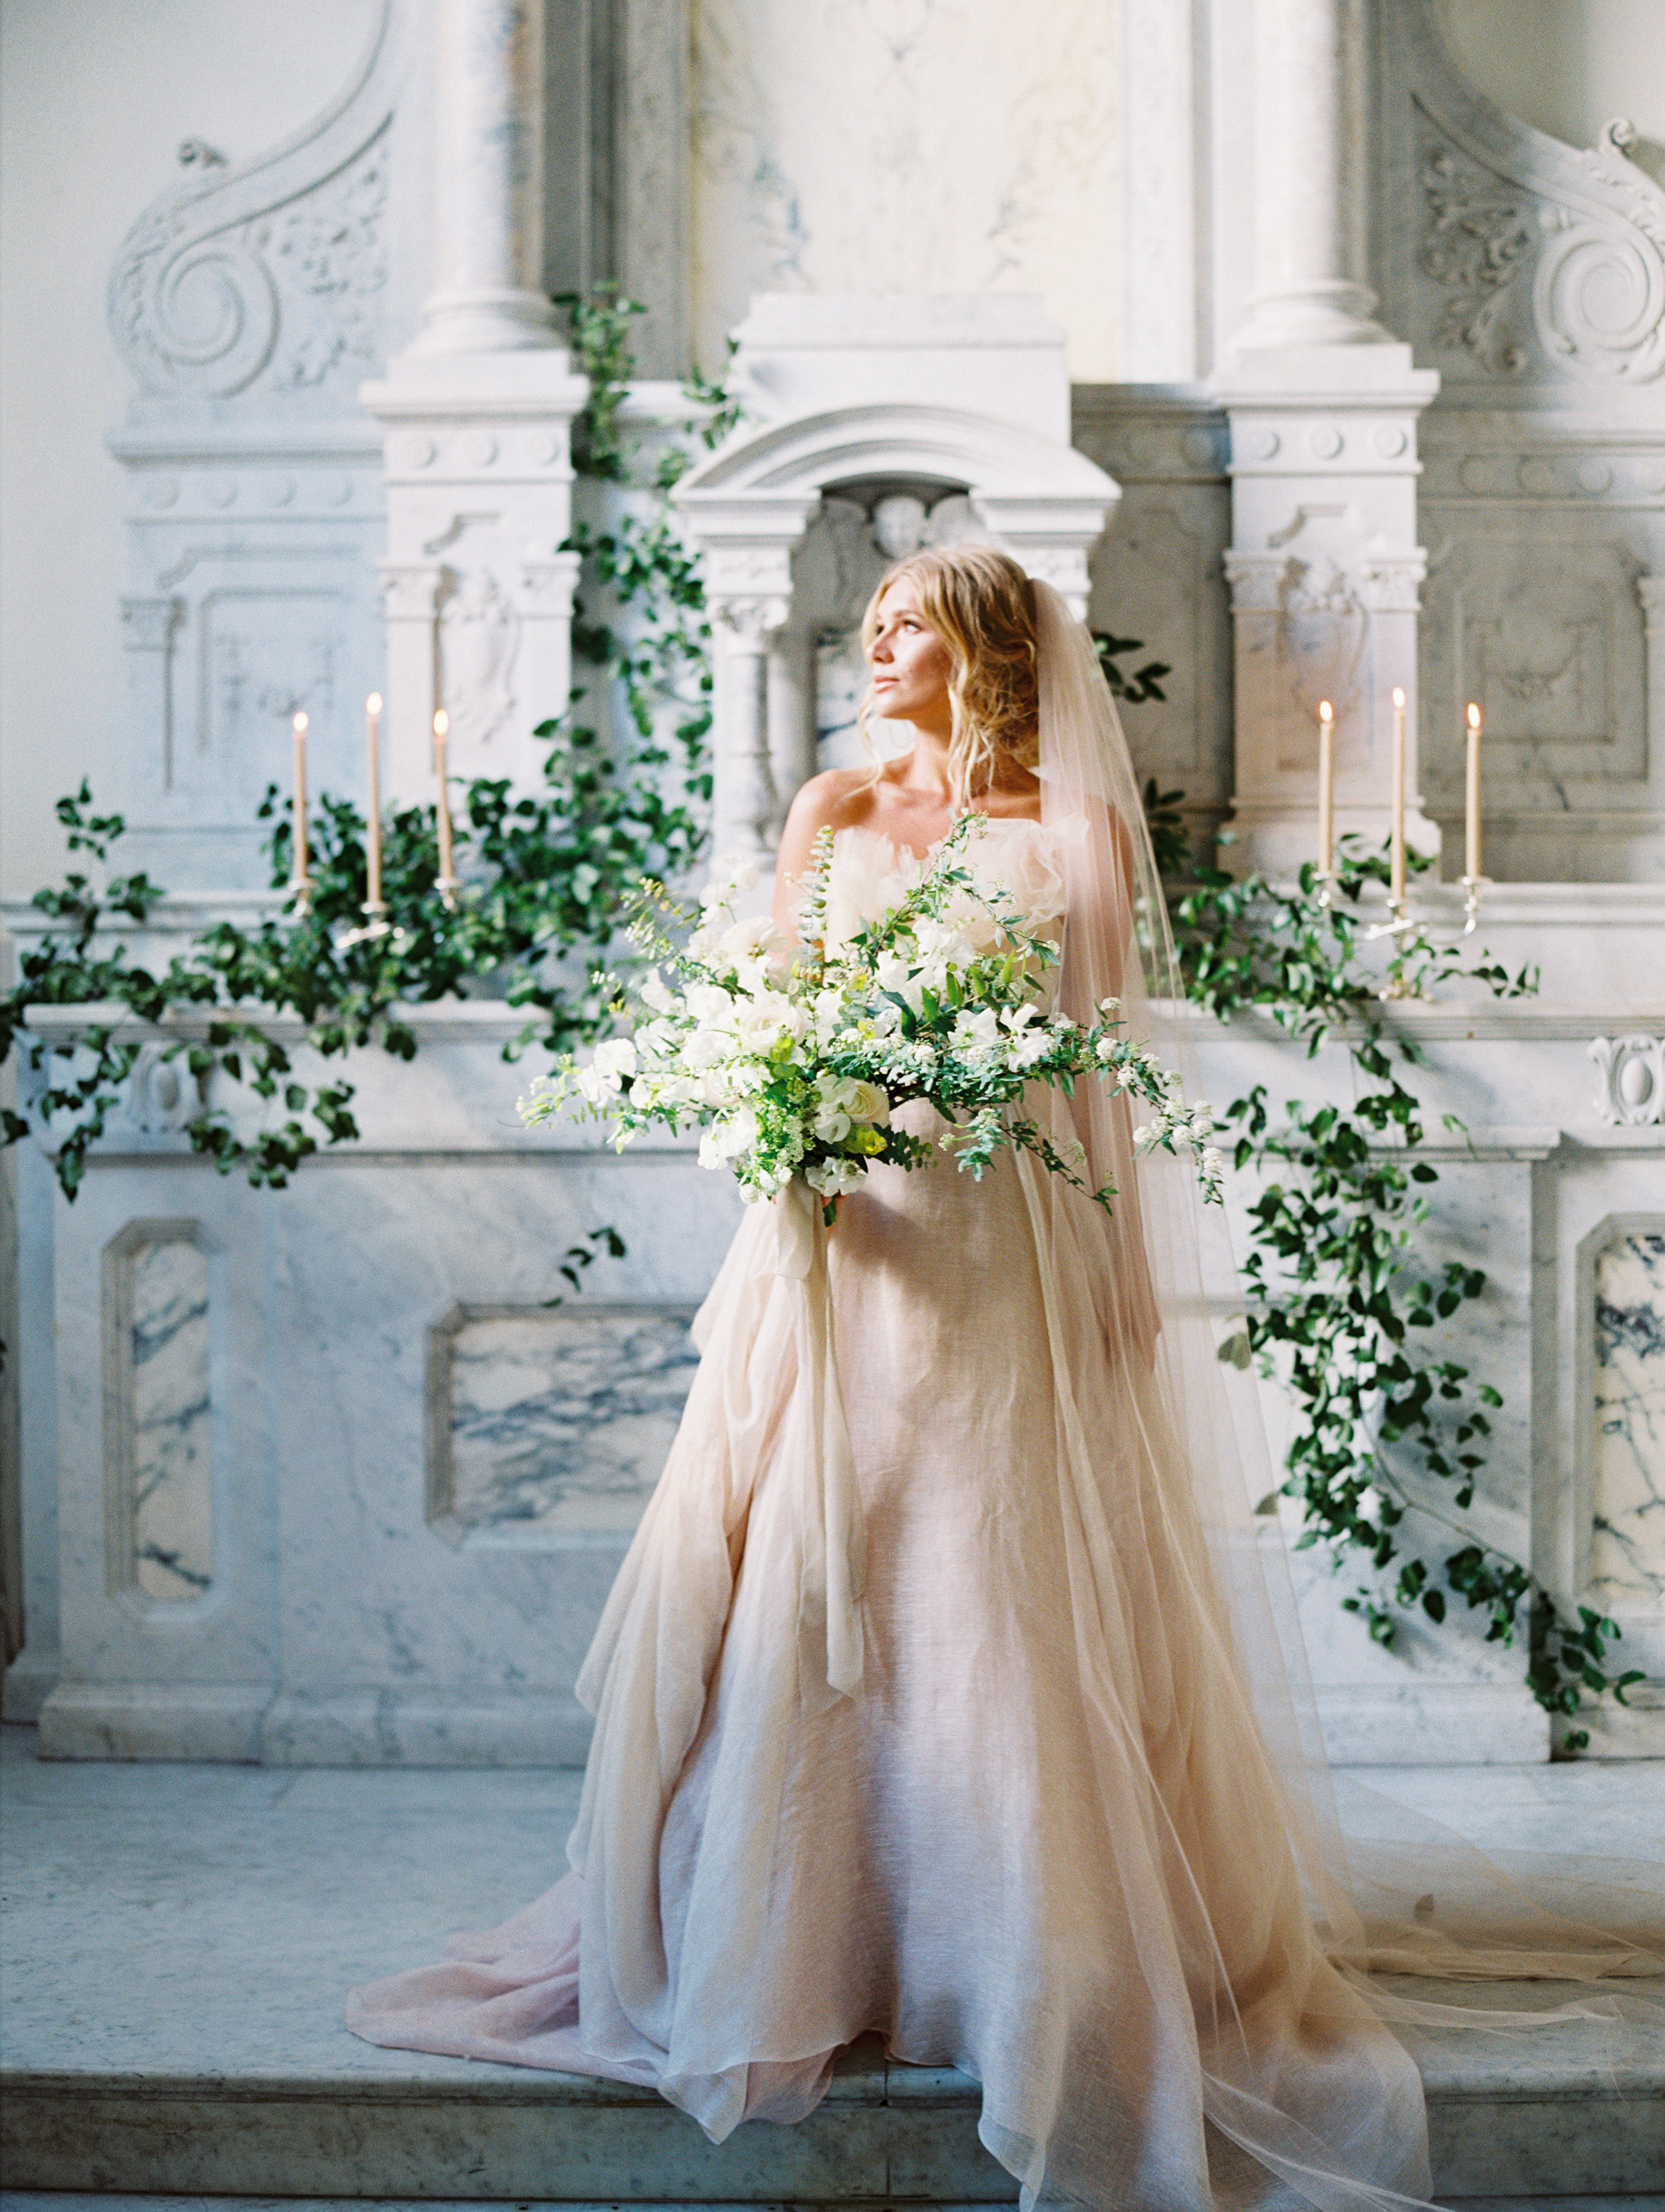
column 1323, row 404
column 477, row 411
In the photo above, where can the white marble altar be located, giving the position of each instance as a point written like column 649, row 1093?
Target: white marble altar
column 317, row 1474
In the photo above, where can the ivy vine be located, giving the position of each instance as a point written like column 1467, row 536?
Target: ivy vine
column 544, row 877
column 1337, row 1299
column 1337, row 1294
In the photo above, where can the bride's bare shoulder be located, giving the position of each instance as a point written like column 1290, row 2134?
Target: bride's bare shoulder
column 837, row 798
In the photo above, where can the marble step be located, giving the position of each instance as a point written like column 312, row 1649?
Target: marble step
column 177, row 1942
column 1562, row 2117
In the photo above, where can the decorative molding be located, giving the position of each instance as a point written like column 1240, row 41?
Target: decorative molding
column 750, row 624
column 1517, row 257
column 163, row 1095
column 479, row 632
column 269, row 272
column 1631, row 1073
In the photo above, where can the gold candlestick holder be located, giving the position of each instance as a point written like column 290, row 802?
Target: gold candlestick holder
column 1326, row 879
column 447, row 887
column 300, row 895
column 1473, row 890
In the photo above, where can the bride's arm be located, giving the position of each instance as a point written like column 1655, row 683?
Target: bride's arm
column 820, row 804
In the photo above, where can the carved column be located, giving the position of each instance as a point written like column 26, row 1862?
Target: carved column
column 489, row 201
column 745, row 806
column 1310, row 206
column 1324, row 564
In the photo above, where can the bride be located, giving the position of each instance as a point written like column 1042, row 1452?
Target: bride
column 949, row 1689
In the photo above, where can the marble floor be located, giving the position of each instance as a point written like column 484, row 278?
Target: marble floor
column 166, row 1917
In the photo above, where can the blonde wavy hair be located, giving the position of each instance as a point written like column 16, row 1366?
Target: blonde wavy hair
column 981, row 605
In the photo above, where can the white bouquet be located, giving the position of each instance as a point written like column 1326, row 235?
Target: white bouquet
column 793, row 1061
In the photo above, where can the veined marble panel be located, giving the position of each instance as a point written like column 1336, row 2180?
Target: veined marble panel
column 554, row 1424
column 167, row 1464
column 1627, row 1542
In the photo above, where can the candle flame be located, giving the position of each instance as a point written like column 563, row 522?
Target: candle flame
column 1474, row 716
column 1326, row 712
column 373, row 704
column 442, row 723
column 1398, row 696
column 300, row 725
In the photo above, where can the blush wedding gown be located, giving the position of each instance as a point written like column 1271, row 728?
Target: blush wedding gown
column 943, row 1692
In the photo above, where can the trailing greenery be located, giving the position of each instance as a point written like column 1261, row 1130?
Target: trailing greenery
column 1338, row 1300
column 1338, row 1297
column 544, row 877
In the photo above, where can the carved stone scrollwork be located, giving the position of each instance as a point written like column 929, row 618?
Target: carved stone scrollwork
column 1543, row 257
column 1631, row 1074
column 267, row 271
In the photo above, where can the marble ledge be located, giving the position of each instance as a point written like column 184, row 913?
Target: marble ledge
column 493, row 1021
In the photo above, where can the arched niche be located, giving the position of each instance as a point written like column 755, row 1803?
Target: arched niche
column 796, row 521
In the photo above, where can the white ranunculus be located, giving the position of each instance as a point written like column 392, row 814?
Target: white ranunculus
column 867, row 1102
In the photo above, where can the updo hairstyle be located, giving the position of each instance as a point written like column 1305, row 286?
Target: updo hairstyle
column 981, row 605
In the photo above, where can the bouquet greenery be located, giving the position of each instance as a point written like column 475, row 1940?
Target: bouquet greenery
column 792, row 1061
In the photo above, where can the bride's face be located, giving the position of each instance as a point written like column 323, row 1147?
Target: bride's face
column 910, row 661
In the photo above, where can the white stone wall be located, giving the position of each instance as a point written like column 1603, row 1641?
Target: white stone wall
column 864, row 146
column 96, row 102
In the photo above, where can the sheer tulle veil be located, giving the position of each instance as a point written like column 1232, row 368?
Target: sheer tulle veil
column 1376, row 1894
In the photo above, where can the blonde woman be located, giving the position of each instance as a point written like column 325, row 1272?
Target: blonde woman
column 947, row 1692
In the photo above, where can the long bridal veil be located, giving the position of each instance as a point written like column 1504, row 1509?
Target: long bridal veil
column 1278, row 1919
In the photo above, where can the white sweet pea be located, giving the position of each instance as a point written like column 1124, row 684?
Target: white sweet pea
column 978, row 1032
column 834, row 1177
column 655, row 993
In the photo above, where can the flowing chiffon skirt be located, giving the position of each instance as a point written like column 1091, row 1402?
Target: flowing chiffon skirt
column 1039, row 1838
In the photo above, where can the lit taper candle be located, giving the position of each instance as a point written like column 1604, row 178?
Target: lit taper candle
column 1397, row 845
column 1326, row 789
column 447, row 880
column 300, row 882
column 1472, row 861
column 373, row 816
